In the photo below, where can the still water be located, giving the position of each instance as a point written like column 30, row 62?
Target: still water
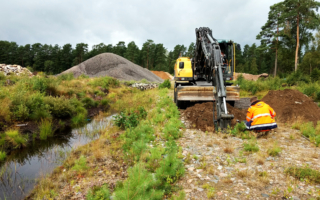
column 23, row 167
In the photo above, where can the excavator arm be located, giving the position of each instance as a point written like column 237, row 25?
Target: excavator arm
column 208, row 64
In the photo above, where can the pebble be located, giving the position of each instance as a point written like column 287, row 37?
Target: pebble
column 215, row 181
column 216, row 177
column 295, row 198
column 265, row 195
column 188, row 190
column 200, row 189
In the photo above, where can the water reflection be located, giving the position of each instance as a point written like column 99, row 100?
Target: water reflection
column 18, row 175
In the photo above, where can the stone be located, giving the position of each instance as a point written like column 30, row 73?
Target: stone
column 216, row 177
column 187, row 190
column 200, row 189
column 295, row 198
column 223, row 175
column 190, row 180
column 191, row 168
column 265, row 195
column 215, row 181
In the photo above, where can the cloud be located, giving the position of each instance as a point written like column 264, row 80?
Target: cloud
column 96, row 21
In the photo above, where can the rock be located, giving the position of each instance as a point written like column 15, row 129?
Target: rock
column 223, row 175
column 200, row 189
column 144, row 86
column 215, row 181
column 265, row 195
column 14, row 69
column 191, row 168
column 216, row 177
column 187, row 190
column 295, row 198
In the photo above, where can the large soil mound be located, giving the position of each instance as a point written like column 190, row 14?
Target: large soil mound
column 201, row 115
column 109, row 64
column 292, row 105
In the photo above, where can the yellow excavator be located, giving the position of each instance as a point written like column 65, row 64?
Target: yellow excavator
column 205, row 76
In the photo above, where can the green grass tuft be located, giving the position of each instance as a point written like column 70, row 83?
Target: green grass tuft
column 3, row 156
column 251, row 146
column 45, row 128
column 303, row 173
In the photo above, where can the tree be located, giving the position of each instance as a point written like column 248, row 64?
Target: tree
column 301, row 14
column 190, row 50
column 254, row 66
column 120, row 49
column 269, row 34
column 132, row 52
column 147, row 52
column 159, row 57
column 49, row 66
column 79, row 53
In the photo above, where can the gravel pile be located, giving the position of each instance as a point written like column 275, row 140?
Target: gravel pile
column 109, row 64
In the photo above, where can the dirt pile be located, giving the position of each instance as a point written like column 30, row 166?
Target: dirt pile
column 109, row 64
column 251, row 77
column 201, row 115
column 163, row 75
column 292, row 105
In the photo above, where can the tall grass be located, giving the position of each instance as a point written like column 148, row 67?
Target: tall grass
column 45, row 128
column 14, row 138
column 3, row 156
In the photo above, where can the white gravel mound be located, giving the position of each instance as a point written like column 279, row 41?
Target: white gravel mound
column 109, row 64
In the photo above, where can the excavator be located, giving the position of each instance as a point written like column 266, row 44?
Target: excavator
column 205, row 76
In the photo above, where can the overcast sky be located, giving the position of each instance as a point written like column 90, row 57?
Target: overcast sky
column 109, row 21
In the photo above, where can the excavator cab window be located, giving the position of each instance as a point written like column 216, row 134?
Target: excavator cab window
column 181, row 65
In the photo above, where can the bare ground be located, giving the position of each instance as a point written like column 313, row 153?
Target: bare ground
column 215, row 166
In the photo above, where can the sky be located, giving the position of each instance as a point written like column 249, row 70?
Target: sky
column 168, row 22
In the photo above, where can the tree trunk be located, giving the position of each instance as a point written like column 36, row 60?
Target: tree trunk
column 275, row 64
column 310, row 68
column 297, row 48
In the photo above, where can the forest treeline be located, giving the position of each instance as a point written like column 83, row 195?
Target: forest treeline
column 287, row 44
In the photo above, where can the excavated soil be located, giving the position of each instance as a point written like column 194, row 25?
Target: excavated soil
column 200, row 115
column 292, row 105
column 163, row 75
column 109, row 64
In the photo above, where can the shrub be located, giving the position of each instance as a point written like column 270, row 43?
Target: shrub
column 304, row 173
column 317, row 140
column 307, row 129
column 99, row 193
column 83, row 76
column 3, row 156
column 165, row 84
column 172, row 129
column 45, row 128
column 80, row 164
column 275, row 150
column 15, row 138
column 238, row 129
column 21, row 112
column 171, row 168
column 79, row 119
column 251, row 146
column 104, row 82
column 39, row 83
column 60, row 107
column 66, row 77
column 140, row 184
column 5, row 112
column 88, row 102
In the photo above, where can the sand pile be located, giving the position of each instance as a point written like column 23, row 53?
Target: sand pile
column 201, row 115
column 163, row 75
column 292, row 105
column 109, row 64
column 251, row 77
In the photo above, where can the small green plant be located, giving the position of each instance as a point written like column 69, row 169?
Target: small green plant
column 15, row 138
column 3, row 156
column 140, row 184
column 211, row 192
column 165, row 84
column 99, row 193
column 66, row 77
column 302, row 173
column 251, row 146
column 275, row 150
column 80, row 164
column 45, row 128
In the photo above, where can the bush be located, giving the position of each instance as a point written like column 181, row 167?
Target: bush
column 80, row 164
column 66, row 77
column 104, row 82
column 89, row 103
column 251, row 146
column 304, row 173
column 60, row 107
column 275, row 150
column 3, row 156
column 79, row 119
column 45, row 128
column 140, row 184
column 172, row 129
column 165, row 84
column 15, row 138
column 99, row 193
column 171, row 168
column 131, row 119
column 315, row 75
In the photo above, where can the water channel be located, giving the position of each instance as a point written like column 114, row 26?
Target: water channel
column 23, row 167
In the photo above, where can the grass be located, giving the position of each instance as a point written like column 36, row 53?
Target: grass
column 154, row 166
column 14, row 138
column 45, row 128
column 275, row 150
column 309, row 130
column 251, row 146
column 3, row 156
column 304, row 173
